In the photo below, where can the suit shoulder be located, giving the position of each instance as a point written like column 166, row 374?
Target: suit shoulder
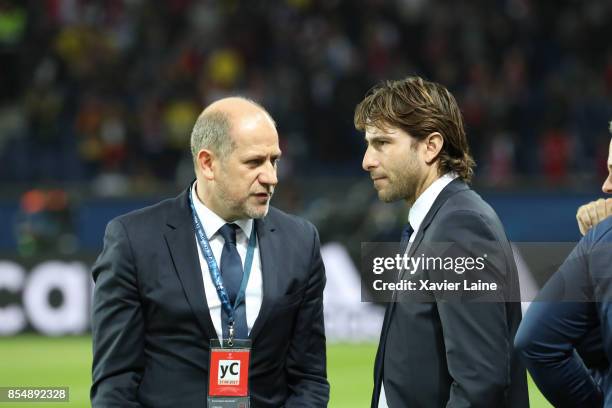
column 468, row 203
column 289, row 221
column 468, row 210
column 602, row 232
column 151, row 214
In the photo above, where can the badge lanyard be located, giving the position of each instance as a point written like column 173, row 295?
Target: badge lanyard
column 213, row 268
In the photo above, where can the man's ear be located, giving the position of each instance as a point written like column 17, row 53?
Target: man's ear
column 433, row 146
column 205, row 163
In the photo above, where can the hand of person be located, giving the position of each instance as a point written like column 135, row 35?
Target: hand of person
column 592, row 213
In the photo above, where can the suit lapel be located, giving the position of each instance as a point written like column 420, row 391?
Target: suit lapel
column 455, row 186
column 181, row 242
column 452, row 188
column 269, row 249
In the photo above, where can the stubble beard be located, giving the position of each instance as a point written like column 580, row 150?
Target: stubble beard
column 256, row 213
column 240, row 209
column 403, row 187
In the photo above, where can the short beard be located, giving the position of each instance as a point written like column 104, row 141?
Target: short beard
column 256, row 214
column 404, row 186
column 231, row 207
column 240, row 210
column 405, row 190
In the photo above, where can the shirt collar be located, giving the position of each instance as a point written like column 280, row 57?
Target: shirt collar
column 423, row 204
column 211, row 221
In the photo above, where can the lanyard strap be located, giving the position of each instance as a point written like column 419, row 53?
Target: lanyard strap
column 213, row 268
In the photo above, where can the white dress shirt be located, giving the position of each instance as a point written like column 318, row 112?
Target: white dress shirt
column 254, row 290
column 417, row 214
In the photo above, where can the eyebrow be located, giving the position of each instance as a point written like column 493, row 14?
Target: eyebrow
column 257, row 156
column 377, row 138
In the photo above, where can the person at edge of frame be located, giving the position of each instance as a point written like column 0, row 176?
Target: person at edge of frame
column 565, row 338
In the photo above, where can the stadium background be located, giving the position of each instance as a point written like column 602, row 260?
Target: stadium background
column 97, row 100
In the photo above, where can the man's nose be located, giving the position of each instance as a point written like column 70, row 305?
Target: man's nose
column 268, row 175
column 607, row 185
column 369, row 161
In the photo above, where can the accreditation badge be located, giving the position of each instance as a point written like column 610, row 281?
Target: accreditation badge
column 228, row 375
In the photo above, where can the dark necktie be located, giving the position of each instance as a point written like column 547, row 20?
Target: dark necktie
column 406, row 234
column 231, row 272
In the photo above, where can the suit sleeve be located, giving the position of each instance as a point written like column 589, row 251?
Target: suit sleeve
column 306, row 362
column 117, row 323
column 553, row 329
column 476, row 336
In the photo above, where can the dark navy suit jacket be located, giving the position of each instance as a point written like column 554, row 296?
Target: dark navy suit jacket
column 151, row 324
column 455, row 353
column 565, row 338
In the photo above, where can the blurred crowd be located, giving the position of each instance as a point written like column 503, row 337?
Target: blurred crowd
column 105, row 93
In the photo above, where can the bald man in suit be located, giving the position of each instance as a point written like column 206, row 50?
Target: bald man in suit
column 156, row 307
